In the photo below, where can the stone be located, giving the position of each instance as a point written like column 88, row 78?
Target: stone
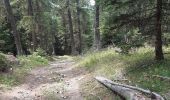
column 12, row 59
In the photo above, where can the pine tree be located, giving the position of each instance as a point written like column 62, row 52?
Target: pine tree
column 149, row 16
column 97, row 44
column 14, row 27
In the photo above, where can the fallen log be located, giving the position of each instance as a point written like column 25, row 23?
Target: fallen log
column 120, row 80
column 129, row 92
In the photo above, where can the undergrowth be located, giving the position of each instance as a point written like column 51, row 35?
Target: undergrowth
column 27, row 63
column 138, row 67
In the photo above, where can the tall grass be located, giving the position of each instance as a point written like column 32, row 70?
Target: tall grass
column 138, row 67
column 93, row 58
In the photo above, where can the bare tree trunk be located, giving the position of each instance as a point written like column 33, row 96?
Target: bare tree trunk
column 79, row 29
column 158, row 43
column 14, row 28
column 30, row 13
column 64, row 25
column 38, row 25
column 97, row 44
column 84, row 24
column 129, row 92
column 30, row 8
column 73, row 49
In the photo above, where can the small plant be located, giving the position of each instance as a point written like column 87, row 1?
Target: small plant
column 33, row 60
column 40, row 52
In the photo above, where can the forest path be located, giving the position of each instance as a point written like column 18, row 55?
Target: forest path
column 59, row 81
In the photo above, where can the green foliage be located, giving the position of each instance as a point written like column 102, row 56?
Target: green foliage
column 19, row 72
column 40, row 52
column 48, row 23
column 144, row 70
column 120, row 18
column 6, row 36
column 8, row 80
column 125, row 41
column 32, row 60
column 92, row 58
column 27, row 23
column 138, row 67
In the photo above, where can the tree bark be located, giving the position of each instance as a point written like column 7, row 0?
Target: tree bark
column 129, row 92
column 73, row 49
column 31, row 14
column 38, row 25
column 97, row 44
column 30, row 8
column 66, row 35
column 158, row 43
column 79, row 29
column 14, row 28
column 84, row 23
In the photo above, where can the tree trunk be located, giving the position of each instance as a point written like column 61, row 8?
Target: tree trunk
column 38, row 26
column 65, row 28
column 30, row 8
column 14, row 28
column 129, row 92
column 73, row 49
column 97, row 44
column 158, row 43
column 79, row 29
column 30, row 13
column 84, row 23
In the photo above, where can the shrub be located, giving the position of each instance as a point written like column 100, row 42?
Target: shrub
column 40, row 52
column 33, row 60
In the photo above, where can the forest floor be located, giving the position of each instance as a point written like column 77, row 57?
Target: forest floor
column 58, row 81
column 72, row 78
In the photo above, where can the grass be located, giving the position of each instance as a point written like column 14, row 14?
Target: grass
column 27, row 63
column 138, row 67
column 141, row 68
column 98, row 61
column 50, row 95
column 54, row 91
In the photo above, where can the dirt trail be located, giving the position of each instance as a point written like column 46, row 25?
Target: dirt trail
column 59, row 81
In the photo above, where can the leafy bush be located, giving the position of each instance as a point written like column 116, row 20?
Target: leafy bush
column 124, row 40
column 33, row 60
column 40, row 52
